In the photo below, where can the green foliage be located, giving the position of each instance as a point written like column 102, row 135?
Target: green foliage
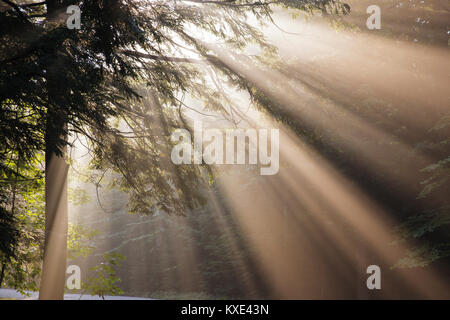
column 78, row 196
column 419, row 225
column 439, row 177
column 424, row 226
column 8, row 234
column 104, row 281
column 116, row 82
column 22, row 191
column 24, row 269
column 82, row 81
column 22, row 259
column 423, row 255
column 120, row 82
column 79, row 241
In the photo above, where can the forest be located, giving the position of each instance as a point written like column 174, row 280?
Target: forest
column 224, row 149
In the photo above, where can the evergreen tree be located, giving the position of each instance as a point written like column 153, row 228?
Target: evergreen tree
column 67, row 81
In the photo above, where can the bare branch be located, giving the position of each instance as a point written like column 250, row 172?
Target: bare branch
column 161, row 58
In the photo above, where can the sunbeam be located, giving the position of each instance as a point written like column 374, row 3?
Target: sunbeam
column 237, row 149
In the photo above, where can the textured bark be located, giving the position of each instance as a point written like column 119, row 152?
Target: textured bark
column 56, row 209
column 56, row 201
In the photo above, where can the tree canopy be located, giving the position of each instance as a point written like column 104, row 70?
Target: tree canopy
column 78, row 80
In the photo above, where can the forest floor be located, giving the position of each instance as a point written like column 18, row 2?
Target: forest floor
column 11, row 294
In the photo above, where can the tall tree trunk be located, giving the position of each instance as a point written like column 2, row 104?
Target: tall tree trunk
column 56, row 209
column 56, row 169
